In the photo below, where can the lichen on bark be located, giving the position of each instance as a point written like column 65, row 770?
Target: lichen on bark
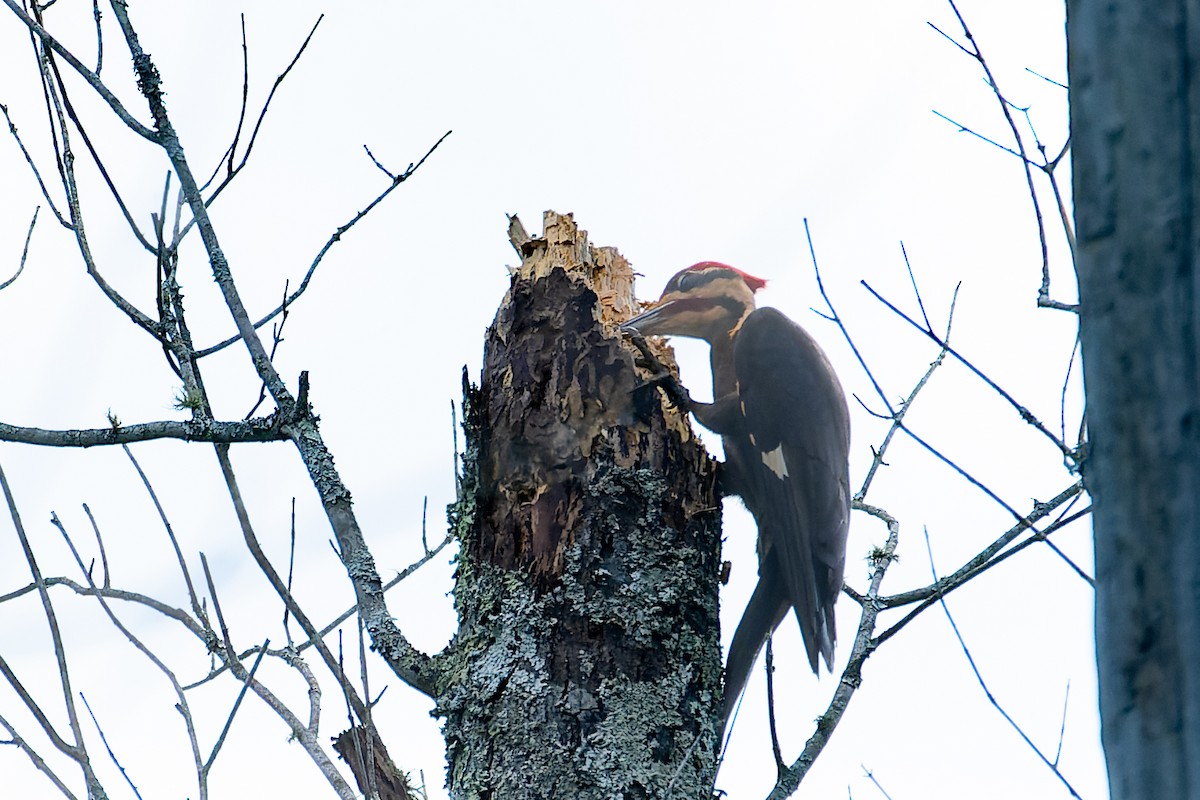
column 587, row 661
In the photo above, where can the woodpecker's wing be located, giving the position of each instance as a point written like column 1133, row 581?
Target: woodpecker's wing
column 795, row 456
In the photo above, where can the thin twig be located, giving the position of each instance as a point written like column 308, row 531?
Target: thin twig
column 898, row 416
column 276, row 339
column 241, row 695
column 974, row 51
column 87, row 141
column 272, row 575
column 177, row 614
column 983, row 684
column 1062, row 729
column 102, row 595
column 162, row 515
column 333, row 239
column 965, row 129
column 368, row 725
column 1026, row 415
column 24, row 252
column 231, row 170
column 291, row 571
column 871, row 776
column 76, row 751
column 99, row 37
column 424, row 511
column 99, row 546
column 838, row 321
column 38, row 761
column 769, row 666
column 108, row 748
column 66, row 167
column 1062, row 408
column 37, row 175
column 1059, row 84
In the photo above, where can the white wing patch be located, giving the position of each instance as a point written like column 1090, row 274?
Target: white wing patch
column 776, row 463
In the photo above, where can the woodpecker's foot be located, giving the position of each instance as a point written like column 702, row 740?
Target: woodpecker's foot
column 674, row 390
column 661, row 377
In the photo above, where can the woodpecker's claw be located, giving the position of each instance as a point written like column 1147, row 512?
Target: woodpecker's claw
column 674, row 390
column 661, row 376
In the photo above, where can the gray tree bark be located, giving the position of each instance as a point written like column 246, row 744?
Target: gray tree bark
column 587, row 662
column 1134, row 127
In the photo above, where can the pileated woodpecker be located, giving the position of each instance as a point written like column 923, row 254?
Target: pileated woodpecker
column 782, row 417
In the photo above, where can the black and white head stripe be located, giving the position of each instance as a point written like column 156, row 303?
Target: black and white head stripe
column 698, row 275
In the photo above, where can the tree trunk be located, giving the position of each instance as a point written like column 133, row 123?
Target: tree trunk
column 1134, row 126
column 587, row 662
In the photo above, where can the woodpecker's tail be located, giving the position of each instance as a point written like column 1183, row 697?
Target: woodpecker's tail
column 766, row 609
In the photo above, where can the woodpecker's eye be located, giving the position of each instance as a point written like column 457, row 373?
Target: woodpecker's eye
column 687, row 281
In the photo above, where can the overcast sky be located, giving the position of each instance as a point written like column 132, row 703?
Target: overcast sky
column 676, row 132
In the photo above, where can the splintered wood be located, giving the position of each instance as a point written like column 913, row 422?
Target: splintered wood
column 562, row 245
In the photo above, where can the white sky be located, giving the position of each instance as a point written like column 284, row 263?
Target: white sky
column 677, row 132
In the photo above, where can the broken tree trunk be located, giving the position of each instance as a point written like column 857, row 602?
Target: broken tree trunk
column 587, row 660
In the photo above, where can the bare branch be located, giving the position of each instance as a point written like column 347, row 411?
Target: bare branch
column 291, row 572
column 981, row 562
column 76, row 751
column 32, row 166
column 115, row 594
column 1062, row 729
column 66, row 160
column 334, row 239
column 268, row 569
column 37, row 760
column 231, row 170
column 102, row 595
column 851, row 679
column 241, row 693
column 983, row 684
column 92, row 78
column 87, row 141
column 898, row 416
column 260, row 429
column 1062, row 408
column 965, row 129
column 1025, row 413
column 276, row 339
column 976, row 53
column 306, row 737
column 838, row 321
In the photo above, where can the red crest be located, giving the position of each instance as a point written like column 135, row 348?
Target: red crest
column 754, row 283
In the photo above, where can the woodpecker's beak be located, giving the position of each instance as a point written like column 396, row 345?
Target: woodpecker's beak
column 655, row 321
